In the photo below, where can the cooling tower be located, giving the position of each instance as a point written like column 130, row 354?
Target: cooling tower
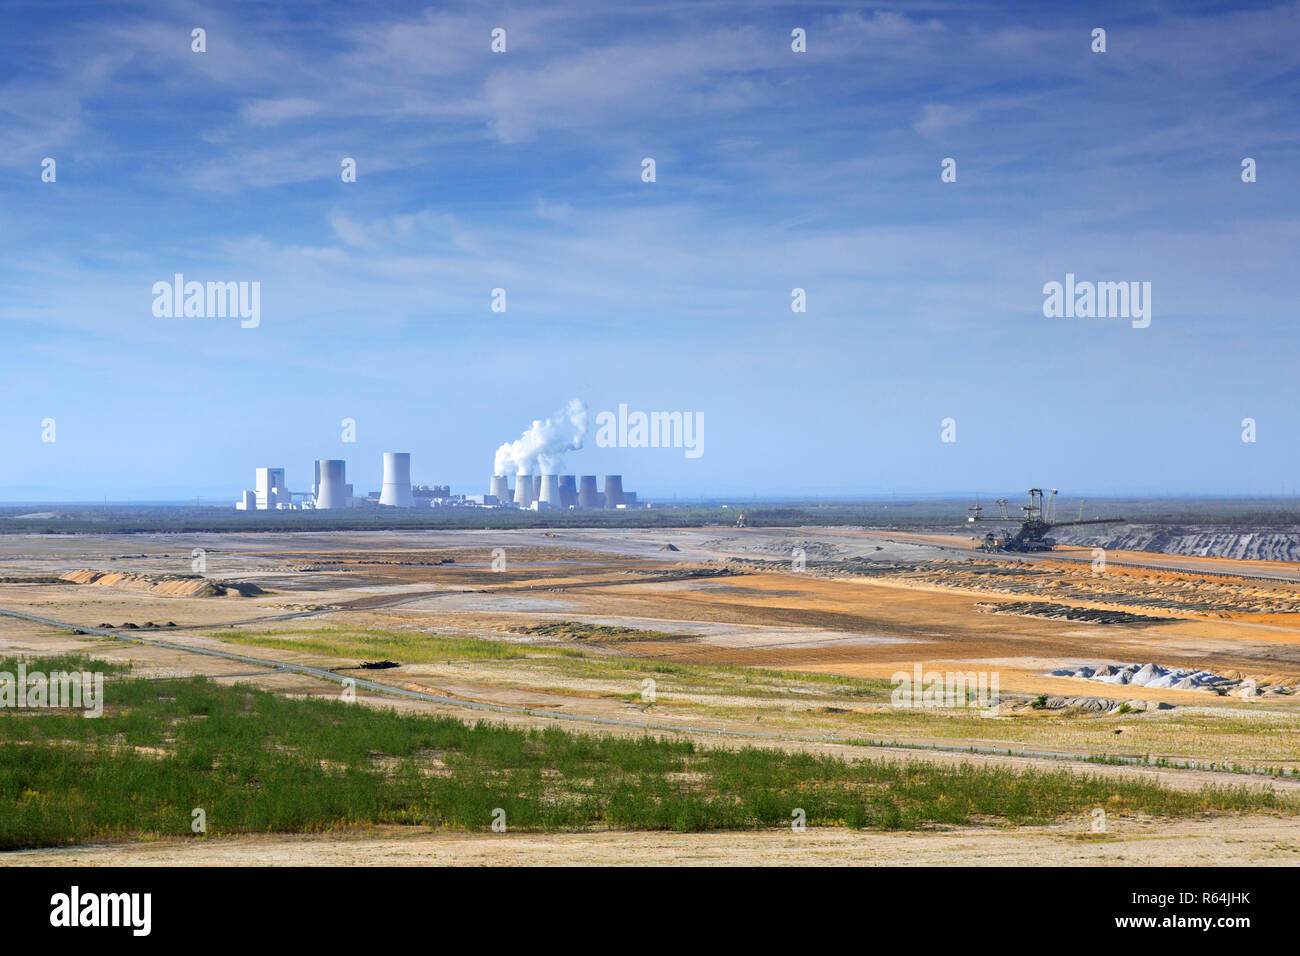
column 568, row 491
column 613, row 491
column 524, row 490
column 588, row 497
column 537, row 487
column 550, row 493
column 396, row 492
column 332, row 489
column 500, row 486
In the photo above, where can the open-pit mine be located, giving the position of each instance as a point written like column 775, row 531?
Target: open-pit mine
column 1179, row 675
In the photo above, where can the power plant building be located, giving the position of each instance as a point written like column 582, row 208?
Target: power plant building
column 547, row 492
column 613, row 491
column 270, row 493
column 524, row 496
column 396, row 492
column 568, row 491
column 332, row 489
column 270, row 487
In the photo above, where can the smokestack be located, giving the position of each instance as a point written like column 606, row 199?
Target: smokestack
column 550, row 491
column 332, row 489
column 588, row 497
column 396, row 492
column 568, row 490
column 613, row 491
column 500, row 486
column 524, row 490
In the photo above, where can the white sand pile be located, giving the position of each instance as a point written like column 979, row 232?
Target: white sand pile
column 1174, row 678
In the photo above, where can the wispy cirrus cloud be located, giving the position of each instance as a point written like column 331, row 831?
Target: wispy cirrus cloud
column 775, row 170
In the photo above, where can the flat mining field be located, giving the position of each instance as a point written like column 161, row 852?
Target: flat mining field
column 1162, row 690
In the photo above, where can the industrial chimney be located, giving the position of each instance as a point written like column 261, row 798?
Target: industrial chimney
column 613, row 491
column 568, row 491
column 524, row 490
column 500, row 486
column 588, row 497
column 396, row 492
column 550, row 493
column 332, row 489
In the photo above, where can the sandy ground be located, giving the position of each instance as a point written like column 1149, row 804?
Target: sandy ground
column 860, row 626
column 1248, row 841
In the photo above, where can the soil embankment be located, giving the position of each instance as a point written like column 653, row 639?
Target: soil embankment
column 170, row 585
column 1273, row 544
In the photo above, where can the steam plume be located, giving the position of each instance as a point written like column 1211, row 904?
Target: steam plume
column 544, row 443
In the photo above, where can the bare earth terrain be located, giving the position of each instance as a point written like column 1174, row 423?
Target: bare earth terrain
column 1246, row 842
column 761, row 634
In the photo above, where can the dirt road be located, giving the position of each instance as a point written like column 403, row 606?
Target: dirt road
column 1249, row 841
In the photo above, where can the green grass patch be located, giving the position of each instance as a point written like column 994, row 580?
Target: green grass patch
column 730, row 679
column 577, row 631
column 63, row 662
column 259, row 762
column 405, row 648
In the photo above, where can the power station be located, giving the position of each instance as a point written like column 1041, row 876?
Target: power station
column 535, row 460
column 553, row 492
column 330, row 490
column 396, row 492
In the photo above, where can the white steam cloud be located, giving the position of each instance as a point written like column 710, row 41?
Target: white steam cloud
column 544, row 443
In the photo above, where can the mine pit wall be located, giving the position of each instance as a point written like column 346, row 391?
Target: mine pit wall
column 1264, row 545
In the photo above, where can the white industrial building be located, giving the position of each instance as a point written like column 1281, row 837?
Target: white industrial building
column 396, row 492
column 270, row 494
column 331, row 489
column 558, row 492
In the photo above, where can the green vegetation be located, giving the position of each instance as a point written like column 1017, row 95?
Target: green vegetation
column 800, row 702
column 577, row 631
column 32, row 579
column 731, row 680
column 824, row 512
column 63, row 662
column 255, row 761
column 561, row 663
column 403, row 647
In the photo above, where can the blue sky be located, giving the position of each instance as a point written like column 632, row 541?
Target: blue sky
column 775, row 170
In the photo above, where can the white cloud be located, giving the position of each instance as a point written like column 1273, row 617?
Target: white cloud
column 276, row 111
